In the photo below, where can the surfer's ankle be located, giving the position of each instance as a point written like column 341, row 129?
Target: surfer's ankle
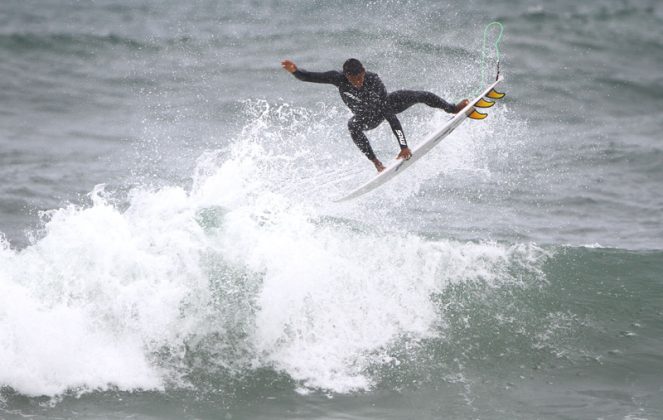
column 378, row 165
column 460, row 105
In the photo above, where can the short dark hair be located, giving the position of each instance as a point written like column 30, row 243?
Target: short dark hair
column 353, row 67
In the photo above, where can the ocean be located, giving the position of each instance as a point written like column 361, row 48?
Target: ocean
column 170, row 246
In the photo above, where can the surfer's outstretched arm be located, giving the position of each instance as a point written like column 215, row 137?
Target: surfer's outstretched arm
column 329, row 77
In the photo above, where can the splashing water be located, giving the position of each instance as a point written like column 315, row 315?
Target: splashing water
column 129, row 296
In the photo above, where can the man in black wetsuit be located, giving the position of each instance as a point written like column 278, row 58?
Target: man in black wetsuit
column 364, row 93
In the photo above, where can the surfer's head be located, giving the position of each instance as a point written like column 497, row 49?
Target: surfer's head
column 354, row 72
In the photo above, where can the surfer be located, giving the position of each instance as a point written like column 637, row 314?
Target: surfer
column 364, row 93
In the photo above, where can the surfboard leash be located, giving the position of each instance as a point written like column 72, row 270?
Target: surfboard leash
column 484, row 51
column 492, row 94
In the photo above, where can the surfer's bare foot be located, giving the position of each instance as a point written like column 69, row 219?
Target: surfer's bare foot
column 378, row 165
column 405, row 153
column 460, row 105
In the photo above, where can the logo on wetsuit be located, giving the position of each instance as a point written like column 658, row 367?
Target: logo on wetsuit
column 401, row 137
column 352, row 96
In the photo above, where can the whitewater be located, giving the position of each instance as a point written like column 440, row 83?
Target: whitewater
column 226, row 263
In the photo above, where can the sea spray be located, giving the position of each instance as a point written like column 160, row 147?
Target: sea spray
column 120, row 297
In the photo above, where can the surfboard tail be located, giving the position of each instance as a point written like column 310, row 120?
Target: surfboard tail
column 485, row 103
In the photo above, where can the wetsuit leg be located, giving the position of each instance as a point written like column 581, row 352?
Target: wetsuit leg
column 401, row 100
column 357, row 126
column 397, row 129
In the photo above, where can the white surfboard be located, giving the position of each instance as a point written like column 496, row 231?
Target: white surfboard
column 399, row 165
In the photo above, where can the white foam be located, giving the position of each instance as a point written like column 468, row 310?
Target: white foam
column 87, row 304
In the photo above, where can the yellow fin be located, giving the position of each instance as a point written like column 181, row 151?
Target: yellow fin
column 493, row 94
column 476, row 115
column 484, row 103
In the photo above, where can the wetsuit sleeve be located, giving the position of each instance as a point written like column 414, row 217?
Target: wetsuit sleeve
column 328, row 77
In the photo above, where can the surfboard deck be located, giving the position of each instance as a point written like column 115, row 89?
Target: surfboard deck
column 397, row 166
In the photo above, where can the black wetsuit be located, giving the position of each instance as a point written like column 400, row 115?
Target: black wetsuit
column 371, row 104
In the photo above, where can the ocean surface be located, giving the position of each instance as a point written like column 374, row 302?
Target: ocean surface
column 170, row 247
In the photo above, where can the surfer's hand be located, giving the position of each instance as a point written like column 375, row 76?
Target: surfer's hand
column 378, row 165
column 289, row 66
column 405, row 153
column 460, row 105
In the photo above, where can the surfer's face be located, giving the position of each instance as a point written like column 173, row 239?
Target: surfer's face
column 357, row 80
